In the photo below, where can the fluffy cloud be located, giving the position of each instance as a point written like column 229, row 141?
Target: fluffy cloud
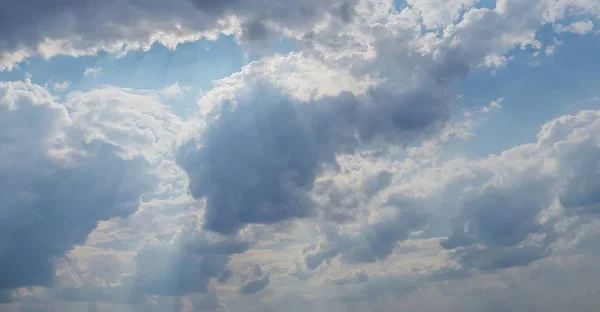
column 55, row 186
column 174, row 91
column 579, row 27
column 244, row 165
column 503, row 211
column 275, row 143
column 87, row 27
column 511, row 219
column 156, row 261
column 30, row 29
column 440, row 13
column 370, row 242
column 88, row 157
column 259, row 156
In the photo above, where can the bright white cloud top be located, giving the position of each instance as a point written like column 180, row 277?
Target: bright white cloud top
column 368, row 155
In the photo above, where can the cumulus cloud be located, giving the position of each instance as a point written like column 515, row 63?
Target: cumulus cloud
column 137, row 121
column 58, row 29
column 495, row 104
column 91, row 156
column 505, row 210
column 88, row 27
column 55, row 187
column 508, row 221
column 372, row 241
column 440, row 13
column 245, row 167
column 579, row 27
column 59, row 86
column 156, row 261
column 255, row 282
column 373, row 80
column 174, row 91
column 257, row 161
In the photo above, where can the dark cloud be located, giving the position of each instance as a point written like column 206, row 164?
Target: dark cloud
column 255, row 282
column 256, row 164
column 254, row 31
column 373, row 184
column 90, row 25
column 581, row 193
column 168, row 272
column 347, row 11
column 187, row 266
column 51, row 203
column 502, row 219
column 257, row 161
column 372, row 242
column 501, row 222
column 341, row 202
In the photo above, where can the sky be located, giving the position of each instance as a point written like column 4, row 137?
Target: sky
column 320, row 155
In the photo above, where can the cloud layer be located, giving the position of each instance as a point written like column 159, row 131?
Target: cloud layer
column 330, row 178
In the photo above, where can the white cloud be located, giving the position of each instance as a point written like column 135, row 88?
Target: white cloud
column 495, row 104
column 39, row 33
column 90, row 157
column 92, row 71
column 57, row 186
column 439, row 14
column 92, row 26
column 174, row 91
column 499, row 201
column 347, row 135
column 60, row 86
column 579, row 27
column 135, row 120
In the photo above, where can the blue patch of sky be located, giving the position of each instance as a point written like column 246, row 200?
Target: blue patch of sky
column 490, row 4
column 194, row 65
column 535, row 89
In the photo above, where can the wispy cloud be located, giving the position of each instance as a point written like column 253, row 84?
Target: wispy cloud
column 92, row 71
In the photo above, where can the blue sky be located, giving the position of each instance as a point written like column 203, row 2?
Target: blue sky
column 331, row 155
column 535, row 90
